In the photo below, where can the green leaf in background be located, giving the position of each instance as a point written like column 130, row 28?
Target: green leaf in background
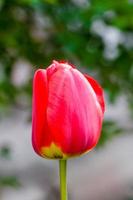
column 9, row 181
column 109, row 130
column 5, row 152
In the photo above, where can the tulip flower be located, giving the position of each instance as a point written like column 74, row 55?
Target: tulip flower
column 67, row 113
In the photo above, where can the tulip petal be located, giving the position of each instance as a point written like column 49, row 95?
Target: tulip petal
column 98, row 90
column 73, row 116
column 40, row 133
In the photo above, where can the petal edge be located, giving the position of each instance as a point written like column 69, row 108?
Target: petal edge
column 98, row 91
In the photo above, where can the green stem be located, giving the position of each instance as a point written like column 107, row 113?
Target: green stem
column 63, row 183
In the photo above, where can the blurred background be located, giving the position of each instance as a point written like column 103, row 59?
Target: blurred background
column 97, row 37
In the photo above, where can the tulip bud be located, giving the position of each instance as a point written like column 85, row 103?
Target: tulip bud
column 67, row 112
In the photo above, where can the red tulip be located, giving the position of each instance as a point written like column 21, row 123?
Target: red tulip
column 68, row 110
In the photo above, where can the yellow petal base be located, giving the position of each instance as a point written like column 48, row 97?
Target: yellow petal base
column 53, row 152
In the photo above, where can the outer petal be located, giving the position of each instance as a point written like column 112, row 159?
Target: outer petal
column 98, row 90
column 40, row 132
column 73, row 113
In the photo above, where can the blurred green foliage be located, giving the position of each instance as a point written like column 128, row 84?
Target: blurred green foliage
column 42, row 30
column 109, row 130
column 5, row 152
column 9, row 181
